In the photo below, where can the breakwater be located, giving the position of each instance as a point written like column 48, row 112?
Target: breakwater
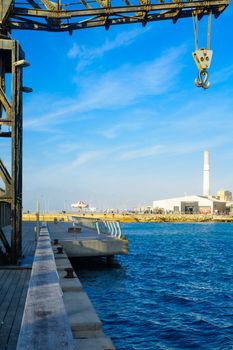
column 130, row 218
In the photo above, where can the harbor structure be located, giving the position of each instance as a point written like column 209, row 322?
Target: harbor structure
column 190, row 205
column 45, row 293
column 196, row 204
column 206, row 175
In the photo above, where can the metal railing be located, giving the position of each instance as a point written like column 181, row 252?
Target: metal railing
column 108, row 227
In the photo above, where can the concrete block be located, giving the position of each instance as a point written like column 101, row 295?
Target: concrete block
column 59, row 256
column 62, row 263
column 90, row 334
column 62, row 274
column 95, row 247
column 80, row 312
column 102, row 343
column 69, row 284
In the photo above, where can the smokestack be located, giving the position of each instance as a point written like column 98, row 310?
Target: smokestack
column 206, row 175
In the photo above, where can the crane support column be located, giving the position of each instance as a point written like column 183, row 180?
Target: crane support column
column 11, row 62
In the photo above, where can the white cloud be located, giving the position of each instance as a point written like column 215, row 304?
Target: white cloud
column 178, row 148
column 222, row 75
column 73, row 51
column 122, row 87
column 143, row 152
column 86, row 157
column 69, row 147
column 59, row 112
column 127, row 84
column 86, row 55
column 124, row 127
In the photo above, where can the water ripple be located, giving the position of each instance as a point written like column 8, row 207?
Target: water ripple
column 173, row 290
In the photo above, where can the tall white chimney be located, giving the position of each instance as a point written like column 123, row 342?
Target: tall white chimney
column 206, row 175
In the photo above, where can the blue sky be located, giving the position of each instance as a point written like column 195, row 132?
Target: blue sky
column 115, row 118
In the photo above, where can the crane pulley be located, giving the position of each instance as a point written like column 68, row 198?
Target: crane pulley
column 203, row 56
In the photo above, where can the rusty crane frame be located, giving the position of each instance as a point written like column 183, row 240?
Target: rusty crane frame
column 46, row 15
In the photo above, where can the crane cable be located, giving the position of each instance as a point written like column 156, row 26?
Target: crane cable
column 195, row 28
column 203, row 56
column 209, row 30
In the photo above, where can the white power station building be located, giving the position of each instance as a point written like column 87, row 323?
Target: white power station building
column 190, row 205
column 205, row 204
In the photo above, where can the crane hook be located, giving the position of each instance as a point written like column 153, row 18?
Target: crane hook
column 201, row 80
column 202, row 57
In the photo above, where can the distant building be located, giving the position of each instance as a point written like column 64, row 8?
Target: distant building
column 143, row 209
column 224, row 195
column 229, row 208
column 190, row 205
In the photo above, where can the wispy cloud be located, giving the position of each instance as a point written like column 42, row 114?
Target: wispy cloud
column 222, row 75
column 178, row 148
column 118, row 128
column 143, row 152
column 59, row 111
column 123, row 87
column 86, row 157
column 86, row 55
column 209, row 115
column 127, row 84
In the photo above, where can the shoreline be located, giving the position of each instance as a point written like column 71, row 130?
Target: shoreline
column 131, row 218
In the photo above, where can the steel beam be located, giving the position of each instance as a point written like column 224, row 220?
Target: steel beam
column 11, row 55
column 83, row 16
column 5, row 9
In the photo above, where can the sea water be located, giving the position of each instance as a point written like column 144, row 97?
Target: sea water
column 174, row 290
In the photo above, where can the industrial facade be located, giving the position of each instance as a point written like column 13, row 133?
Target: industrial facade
column 190, row 205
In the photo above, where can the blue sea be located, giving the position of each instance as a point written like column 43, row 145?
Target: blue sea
column 174, row 290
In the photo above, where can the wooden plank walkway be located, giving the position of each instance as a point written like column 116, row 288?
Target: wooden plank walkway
column 14, row 281
column 13, row 291
column 28, row 238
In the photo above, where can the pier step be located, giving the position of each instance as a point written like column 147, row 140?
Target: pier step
column 81, row 313
column 85, row 323
column 99, row 343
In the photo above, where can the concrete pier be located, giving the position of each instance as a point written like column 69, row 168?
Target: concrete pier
column 45, row 323
column 87, row 242
column 57, row 312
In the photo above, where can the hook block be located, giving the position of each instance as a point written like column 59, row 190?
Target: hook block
column 202, row 58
